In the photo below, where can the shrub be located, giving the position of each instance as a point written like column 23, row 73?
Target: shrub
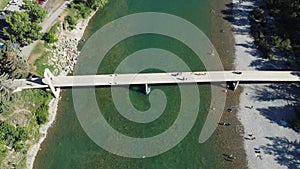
column 286, row 44
column 71, row 20
column 276, row 40
column 50, row 37
column 270, row 55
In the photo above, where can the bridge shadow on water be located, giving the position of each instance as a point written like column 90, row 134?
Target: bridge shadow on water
column 284, row 151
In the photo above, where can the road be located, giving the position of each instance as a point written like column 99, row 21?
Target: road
column 46, row 25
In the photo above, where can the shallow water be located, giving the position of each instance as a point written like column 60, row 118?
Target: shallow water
column 68, row 146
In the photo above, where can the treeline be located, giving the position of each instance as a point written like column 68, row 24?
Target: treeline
column 82, row 9
column 275, row 27
column 22, row 28
column 287, row 14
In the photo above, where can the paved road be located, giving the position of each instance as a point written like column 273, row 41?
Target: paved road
column 46, row 25
column 161, row 78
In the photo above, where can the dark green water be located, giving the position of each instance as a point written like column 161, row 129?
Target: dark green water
column 67, row 145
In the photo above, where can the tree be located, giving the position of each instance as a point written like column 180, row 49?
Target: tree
column 35, row 11
column 72, row 21
column 50, row 37
column 93, row 4
column 21, row 29
column 11, row 64
column 6, row 86
column 286, row 44
column 12, row 136
column 6, row 89
column 41, row 114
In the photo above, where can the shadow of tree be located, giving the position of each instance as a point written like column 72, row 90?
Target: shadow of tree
column 272, row 92
column 277, row 114
column 238, row 14
column 2, row 25
column 280, row 91
column 284, row 151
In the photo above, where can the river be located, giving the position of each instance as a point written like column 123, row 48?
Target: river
column 68, row 146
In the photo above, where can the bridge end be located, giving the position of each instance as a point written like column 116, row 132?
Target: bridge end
column 48, row 80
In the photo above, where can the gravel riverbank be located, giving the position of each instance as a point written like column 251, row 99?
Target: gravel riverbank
column 264, row 109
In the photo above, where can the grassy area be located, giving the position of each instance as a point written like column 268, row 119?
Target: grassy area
column 41, row 64
column 34, row 101
column 38, row 60
column 39, row 48
column 3, row 152
column 55, row 27
column 3, row 4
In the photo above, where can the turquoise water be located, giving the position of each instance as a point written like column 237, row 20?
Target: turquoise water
column 67, row 145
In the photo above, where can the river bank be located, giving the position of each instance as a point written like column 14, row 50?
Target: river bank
column 264, row 109
column 230, row 138
column 73, row 37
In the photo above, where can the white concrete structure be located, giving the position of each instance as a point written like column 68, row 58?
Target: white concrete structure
column 156, row 78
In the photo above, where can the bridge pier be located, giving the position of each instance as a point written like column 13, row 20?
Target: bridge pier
column 48, row 80
column 147, row 89
column 235, row 85
column 232, row 85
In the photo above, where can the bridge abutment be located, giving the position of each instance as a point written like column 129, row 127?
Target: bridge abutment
column 48, row 80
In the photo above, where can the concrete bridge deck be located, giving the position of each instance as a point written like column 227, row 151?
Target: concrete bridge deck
column 159, row 78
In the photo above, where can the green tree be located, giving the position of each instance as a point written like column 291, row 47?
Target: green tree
column 276, row 40
column 12, row 136
column 11, row 64
column 42, row 114
column 35, row 11
column 6, row 96
column 20, row 29
column 286, row 44
column 50, row 37
column 72, row 21
column 93, row 4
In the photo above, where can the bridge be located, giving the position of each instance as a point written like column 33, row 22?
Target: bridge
column 57, row 82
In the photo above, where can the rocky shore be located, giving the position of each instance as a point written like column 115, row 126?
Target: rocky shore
column 64, row 56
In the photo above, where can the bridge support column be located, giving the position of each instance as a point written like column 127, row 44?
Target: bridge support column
column 147, row 89
column 48, row 80
column 235, row 85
